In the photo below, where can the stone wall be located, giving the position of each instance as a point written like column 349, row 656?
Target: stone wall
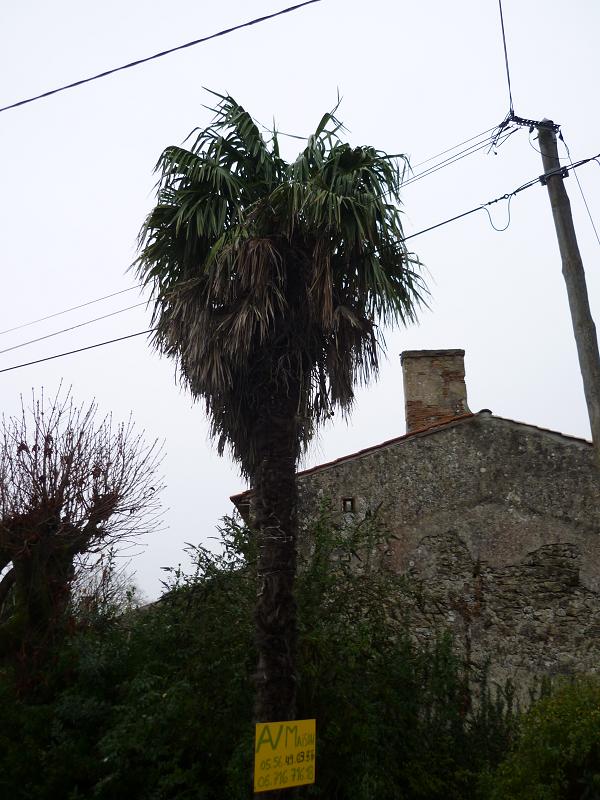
column 499, row 523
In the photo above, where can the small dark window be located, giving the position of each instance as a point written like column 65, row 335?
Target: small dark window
column 348, row 505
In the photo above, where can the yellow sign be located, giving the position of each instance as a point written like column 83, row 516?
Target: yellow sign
column 284, row 754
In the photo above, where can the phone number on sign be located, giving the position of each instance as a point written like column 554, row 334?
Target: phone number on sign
column 284, row 777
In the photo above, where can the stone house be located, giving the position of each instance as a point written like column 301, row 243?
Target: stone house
column 497, row 520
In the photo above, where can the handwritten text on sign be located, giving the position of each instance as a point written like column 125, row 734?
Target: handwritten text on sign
column 284, row 754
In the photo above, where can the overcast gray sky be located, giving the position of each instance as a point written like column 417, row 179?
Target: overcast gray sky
column 415, row 78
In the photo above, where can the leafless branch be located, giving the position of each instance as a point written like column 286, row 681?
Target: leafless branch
column 72, row 484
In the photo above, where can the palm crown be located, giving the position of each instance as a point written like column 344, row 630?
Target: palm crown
column 271, row 277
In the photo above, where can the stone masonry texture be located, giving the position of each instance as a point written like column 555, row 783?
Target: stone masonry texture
column 498, row 523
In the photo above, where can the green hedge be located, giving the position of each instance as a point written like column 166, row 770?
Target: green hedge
column 157, row 703
column 557, row 753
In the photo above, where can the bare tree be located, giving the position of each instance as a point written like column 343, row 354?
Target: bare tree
column 69, row 485
column 103, row 585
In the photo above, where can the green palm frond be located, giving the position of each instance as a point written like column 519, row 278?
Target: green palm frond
column 267, row 275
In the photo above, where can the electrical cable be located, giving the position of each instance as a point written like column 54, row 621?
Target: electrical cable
column 424, row 174
column 506, row 227
column 432, row 169
column 459, row 156
column 72, row 328
column 511, row 111
column 482, row 207
column 273, row 130
column 533, row 147
column 587, row 208
column 446, row 162
column 456, row 146
column 158, row 55
column 497, row 142
column 67, row 310
column 507, row 196
column 439, row 224
column 511, row 117
column 79, row 350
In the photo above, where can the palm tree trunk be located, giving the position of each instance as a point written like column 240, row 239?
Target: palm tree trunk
column 275, row 515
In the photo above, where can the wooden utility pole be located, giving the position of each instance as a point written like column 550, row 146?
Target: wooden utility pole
column 574, row 275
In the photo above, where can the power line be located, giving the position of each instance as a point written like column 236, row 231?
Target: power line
column 456, row 146
column 424, row 174
column 434, row 168
column 158, row 55
column 506, row 227
column 447, row 161
column 482, row 207
column 511, row 117
column 511, row 108
column 67, row 310
column 587, row 208
column 508, row 196
column 537, row 150
column 493, row 141
column 452, row 219
column 467, row 151
column 72, row 328
column 79, row 350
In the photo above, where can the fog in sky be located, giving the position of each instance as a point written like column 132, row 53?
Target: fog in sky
column 415, row 78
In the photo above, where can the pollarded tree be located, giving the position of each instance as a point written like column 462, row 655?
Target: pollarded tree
column 70, row 486
column 270, row 280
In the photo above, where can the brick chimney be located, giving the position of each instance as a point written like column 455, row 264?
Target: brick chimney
column 434, row 387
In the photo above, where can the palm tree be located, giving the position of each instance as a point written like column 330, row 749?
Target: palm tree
column 269, row 280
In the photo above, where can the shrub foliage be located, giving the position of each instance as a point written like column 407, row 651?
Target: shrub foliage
column 557, row 753
column 157, row 703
